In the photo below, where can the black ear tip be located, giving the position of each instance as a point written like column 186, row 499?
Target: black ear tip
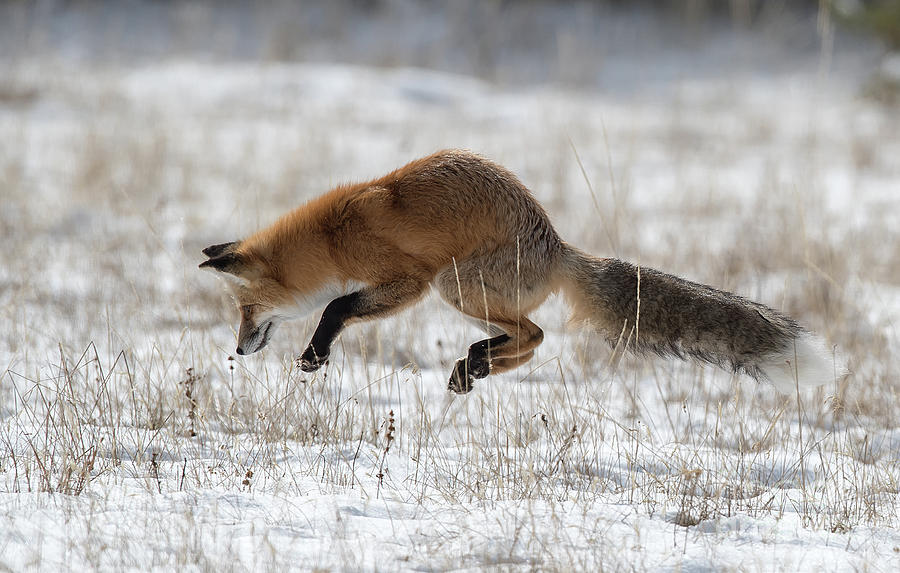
column 214, row 263
column 227, row 263
column 217, row 250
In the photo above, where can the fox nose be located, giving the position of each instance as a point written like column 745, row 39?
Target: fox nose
column 240, row 351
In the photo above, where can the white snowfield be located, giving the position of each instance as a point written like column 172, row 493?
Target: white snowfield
column 133, row 438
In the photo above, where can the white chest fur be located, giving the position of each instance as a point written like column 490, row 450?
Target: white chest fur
column 309, row 302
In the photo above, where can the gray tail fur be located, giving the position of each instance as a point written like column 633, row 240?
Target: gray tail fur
column 660, row 313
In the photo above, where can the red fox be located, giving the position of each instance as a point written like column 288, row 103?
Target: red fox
column 471, row 229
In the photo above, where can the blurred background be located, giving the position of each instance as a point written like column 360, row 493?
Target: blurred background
column 594, row 44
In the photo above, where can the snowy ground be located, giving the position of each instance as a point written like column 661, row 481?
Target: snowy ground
column 131, row 439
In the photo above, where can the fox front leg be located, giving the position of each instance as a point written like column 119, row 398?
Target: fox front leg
column 332, row 322
column 368, row 303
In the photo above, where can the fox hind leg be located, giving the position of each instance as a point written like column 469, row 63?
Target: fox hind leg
column 497, row 292
column 497, row 354
column 499, row 365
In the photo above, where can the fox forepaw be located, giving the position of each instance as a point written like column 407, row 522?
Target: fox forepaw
column 465, row 372
column 309, row 361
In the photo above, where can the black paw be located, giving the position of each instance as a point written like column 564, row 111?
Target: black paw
column 460, row 380
column 479, row 366
column 466, row 371
column 309, row 361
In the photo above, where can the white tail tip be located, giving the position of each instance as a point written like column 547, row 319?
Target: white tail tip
column 807, row 363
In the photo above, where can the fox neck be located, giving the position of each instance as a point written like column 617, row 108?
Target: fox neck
column 299, row 253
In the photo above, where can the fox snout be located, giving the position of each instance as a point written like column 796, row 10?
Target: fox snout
column 253, row 338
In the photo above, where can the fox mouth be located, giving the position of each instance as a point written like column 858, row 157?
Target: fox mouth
column 259, row 339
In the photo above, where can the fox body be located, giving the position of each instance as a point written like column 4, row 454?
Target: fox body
column 471, row 229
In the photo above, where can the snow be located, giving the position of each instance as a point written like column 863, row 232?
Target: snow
column 325, row 532
column 119, row 177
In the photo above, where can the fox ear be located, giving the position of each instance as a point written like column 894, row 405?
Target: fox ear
column 218, row 250
column 231, row 263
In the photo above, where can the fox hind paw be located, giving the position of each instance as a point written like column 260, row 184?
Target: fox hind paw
column 461, row 382
column 465, row 372
column 478, row 366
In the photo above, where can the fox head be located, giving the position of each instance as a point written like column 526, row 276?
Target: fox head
column 263, row 301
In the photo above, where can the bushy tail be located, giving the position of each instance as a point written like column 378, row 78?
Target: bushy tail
column 651, row 311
